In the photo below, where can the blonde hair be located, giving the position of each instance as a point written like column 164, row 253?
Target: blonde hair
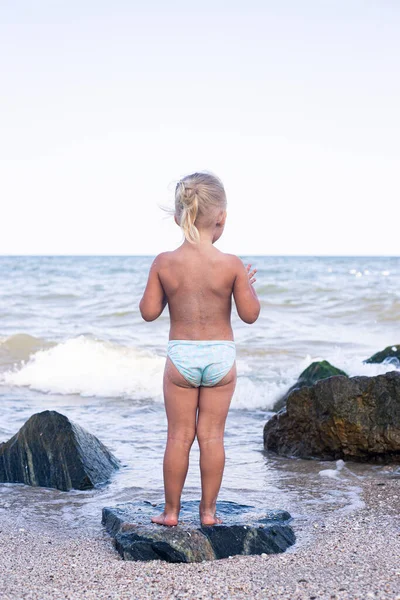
column 197, row 196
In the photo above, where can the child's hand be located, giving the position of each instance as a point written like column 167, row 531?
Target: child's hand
column 251, row 273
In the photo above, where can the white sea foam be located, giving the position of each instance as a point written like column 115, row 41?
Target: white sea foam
column 333, row 473
column 250, row 394
column 352, row 365
column 255, row 393
column 90, row 368
column 354, row 501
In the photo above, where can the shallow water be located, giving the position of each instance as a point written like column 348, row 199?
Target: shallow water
column 135, row 432
column 71, row 340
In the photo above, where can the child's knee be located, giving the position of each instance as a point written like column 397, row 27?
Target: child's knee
column 184, row 436
column 206, row 437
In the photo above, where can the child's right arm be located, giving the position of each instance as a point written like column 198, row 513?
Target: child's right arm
column 247, row 303
column 154, row 299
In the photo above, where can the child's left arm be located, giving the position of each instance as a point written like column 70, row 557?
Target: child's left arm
column 154, row 299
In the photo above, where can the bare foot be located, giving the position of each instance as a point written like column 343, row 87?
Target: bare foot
column 209, row 519
column 170, row 520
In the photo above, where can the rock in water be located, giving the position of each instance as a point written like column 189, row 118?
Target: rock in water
column 317, row 370
column 389, row 356
column 353, row 418
column 242, row 532
column 52, row 451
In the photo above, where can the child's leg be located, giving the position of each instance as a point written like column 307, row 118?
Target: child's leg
column 214, row 404
column 181, row 402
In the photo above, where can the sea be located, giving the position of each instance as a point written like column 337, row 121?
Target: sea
column 72, row 340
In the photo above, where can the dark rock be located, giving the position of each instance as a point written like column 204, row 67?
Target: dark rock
column 316, row 371
column 352, row 418
column 51, row 451
column 389, row 356
column 244, row 531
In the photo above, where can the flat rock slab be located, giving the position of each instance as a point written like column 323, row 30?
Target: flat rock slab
column 243, row 531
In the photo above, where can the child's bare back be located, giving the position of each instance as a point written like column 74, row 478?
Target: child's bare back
column 198, row 283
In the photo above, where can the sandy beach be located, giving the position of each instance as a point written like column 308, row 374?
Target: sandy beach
column 351, row 556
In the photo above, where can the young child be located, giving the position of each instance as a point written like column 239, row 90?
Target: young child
column 198, row 281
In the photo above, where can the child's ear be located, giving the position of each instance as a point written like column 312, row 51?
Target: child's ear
column 176, row 220
column 222, row 218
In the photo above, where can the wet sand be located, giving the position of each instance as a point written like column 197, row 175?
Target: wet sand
column 339, row 556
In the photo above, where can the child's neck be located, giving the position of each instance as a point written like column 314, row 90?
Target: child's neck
column 206, row 240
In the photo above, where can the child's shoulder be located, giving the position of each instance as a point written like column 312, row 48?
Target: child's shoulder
column 232, row 260
column 162, row 258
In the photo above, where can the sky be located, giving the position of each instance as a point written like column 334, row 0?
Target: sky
column 104, row 106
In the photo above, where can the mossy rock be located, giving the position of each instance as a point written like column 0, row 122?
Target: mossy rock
column 390, row 355
column 315, row 372
column 349, row 418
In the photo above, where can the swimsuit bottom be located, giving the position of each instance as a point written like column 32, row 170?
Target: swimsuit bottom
column 202, row 362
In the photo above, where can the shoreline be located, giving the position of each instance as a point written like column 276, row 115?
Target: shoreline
column 338, row 556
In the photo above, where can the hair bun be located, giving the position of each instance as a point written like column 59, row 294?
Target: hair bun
column 187, row 195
